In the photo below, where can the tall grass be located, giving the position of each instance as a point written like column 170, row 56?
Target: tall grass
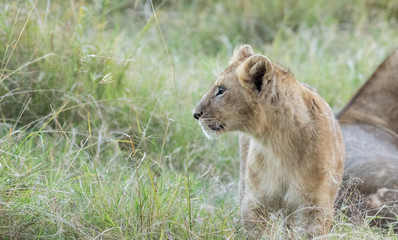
column 95, row 143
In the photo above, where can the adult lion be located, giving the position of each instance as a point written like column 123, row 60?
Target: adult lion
column 370, row 126
column 292, row 149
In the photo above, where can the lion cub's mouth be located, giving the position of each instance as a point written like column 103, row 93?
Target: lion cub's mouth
column 211, row 128
column 216, row 126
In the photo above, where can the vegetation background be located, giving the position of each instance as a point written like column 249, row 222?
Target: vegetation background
column 97, row 140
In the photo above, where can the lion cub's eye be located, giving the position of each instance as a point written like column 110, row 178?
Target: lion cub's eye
column 220, row 91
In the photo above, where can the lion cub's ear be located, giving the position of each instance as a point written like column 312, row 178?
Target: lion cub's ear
column 256, row 71
column 241, row 53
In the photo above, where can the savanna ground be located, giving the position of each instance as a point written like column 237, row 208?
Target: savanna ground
column 97, row 139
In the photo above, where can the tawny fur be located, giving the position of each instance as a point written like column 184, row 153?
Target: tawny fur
column 291, row 147
column 370, row 125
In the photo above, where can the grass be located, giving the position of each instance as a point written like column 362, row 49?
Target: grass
column 97, row 140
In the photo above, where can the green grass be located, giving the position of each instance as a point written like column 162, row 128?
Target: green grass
column 96, row 134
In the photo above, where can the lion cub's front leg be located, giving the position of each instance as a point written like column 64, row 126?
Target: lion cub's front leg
column 253, row 216
column 316, row 220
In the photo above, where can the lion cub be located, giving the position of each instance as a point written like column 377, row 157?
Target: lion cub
column 291, row 147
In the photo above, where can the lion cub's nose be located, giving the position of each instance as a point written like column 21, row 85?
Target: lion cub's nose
column 197, row 115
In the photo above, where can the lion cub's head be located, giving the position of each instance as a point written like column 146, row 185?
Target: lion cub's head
column 232, row 102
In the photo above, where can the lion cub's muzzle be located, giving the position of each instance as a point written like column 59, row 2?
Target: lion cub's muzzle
column 208, row 122
column 211, row 126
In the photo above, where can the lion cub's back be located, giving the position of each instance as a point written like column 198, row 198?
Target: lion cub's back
column 327, row 130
